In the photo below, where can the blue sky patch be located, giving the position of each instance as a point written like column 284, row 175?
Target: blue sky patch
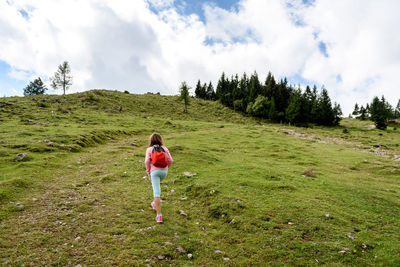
column 9, row 86
column 297, row 79
column 322, row 48
column 24, row 13
column 188, row 7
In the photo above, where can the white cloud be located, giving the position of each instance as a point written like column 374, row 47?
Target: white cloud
column 121, row 44
column 363, row 49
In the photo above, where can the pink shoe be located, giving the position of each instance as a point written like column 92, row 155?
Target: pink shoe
column 159, row 218
column 153, row 205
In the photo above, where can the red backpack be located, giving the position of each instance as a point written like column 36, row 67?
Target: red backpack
column 158, row 157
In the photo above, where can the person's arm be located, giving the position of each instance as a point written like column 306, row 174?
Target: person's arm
column 147, row 162
column 169, row 157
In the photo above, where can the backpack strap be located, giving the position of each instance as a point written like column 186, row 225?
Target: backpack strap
column 158, row 148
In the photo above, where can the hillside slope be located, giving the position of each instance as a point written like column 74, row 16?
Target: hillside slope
column 263, row 194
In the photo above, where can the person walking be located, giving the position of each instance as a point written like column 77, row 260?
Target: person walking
column 157, row 161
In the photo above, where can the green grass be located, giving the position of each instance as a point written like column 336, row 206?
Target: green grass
column 83, row 200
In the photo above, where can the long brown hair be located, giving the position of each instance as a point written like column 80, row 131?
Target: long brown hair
column 156, row 139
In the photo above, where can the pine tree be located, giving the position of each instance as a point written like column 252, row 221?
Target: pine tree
column 308, row 104
column 203, row 91
column 363, row 113
column 379, row 113
column 254, row 87
column 314, row 115
column 282, row 101
column 242, row 91
column 35, row 88
column 337, row 112
column 210, row 94
column 272, row 113
column 184, row 94
column 356, row 110
column 62, row 77
column 270, row 87
column 367, row 111
column 325, row 109
column 221, row 88
column 197, row 91
column 397, row 110
column 293, row 110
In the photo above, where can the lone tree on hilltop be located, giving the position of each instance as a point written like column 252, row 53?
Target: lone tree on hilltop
column 35, row 88
column 184, row 95
column 62, row 77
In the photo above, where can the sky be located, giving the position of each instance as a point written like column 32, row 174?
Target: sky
column 351, row 47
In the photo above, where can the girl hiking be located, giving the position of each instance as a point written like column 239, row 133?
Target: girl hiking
column 157, row 161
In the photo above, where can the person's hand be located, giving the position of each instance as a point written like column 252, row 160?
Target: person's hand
column 148, row 175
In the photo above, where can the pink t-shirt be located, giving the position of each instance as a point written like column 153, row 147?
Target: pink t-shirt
column 150, row 167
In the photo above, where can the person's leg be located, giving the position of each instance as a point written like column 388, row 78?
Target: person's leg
column 157, row 205
column 155, row 182
column 159, row 175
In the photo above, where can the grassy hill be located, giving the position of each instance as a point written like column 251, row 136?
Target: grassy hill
column 72, row 188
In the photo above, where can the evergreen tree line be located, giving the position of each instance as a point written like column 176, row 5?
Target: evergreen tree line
column 205, row 91
column 379, row 111
column 277, row 101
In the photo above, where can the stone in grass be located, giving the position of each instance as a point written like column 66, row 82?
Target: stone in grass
column 189, row 174
column 181, row 212
column 22, row 157
column 343, row 250
column 19, row 205
column 190, row 256
column 160, row 257
column 218, row 251
column 309, row 173
column 227, row 259
column 351, row 236
column 180, row 249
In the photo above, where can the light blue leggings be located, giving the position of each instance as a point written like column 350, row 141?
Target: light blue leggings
column 156, row 177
